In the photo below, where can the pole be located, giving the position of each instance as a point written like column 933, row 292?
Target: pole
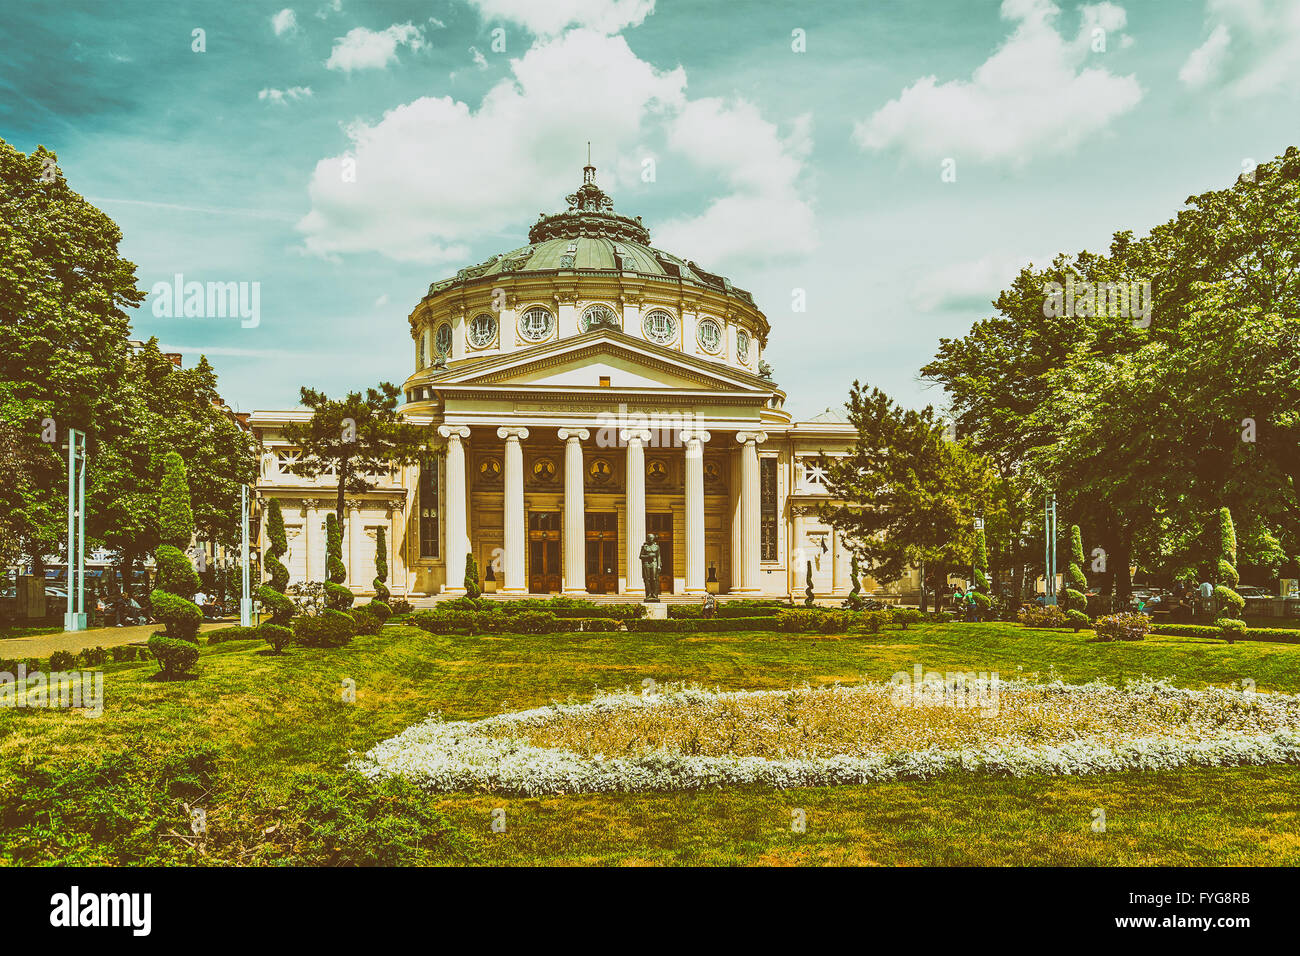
column 81, row 536
column 245, row 600
column 69, row 622
column 74, row 617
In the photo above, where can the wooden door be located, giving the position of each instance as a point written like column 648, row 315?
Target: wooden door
column 543, row 551
column 602, row 552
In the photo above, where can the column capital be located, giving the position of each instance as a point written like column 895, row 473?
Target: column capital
column 695, row 434
column 756, row 438
column 309, row 503
column 638, row 434
column 573, row 434
column 515, row 434
column 453, row 431
column 354, row 505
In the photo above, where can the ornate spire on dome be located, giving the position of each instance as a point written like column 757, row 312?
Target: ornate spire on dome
column 590, row 213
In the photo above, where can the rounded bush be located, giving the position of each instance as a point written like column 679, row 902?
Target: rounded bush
column 280, row 607
column 1128, row 626
column 174, row 656
column 1229, row 601
column 330, row 628
column 176, row 574
column 275, row 635
column 367, row 621
column 1231, row 628
column 181, row 618
column 62, row 661
column 1078, row 619
column 380, row 609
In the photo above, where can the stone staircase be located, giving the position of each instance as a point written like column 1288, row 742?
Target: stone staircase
column 431, row 600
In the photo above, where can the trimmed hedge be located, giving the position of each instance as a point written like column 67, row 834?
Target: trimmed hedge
column 236, row 633
column 703, row 626
column 1128, row 626
column 329, row 628
column 174, row 655
column 1048, row 616
column 1279, row 635
column 694, row 612
column 278, row 636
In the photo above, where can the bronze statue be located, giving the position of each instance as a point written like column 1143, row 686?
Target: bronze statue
column 650, row 567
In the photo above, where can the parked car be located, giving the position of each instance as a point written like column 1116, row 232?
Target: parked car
column 1252, row 593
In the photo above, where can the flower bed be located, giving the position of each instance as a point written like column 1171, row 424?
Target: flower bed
column 686, row 738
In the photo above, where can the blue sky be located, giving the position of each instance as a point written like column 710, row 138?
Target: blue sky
column 818, row 169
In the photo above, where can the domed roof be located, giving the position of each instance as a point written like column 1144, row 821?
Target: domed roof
column 590, row 237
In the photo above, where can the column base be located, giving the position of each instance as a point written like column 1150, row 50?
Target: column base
column 575, row 592
column 744, row 591
column 512, row 590
column 695, row 591
column 457, row 591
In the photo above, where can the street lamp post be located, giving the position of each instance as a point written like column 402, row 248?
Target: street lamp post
column 245, row 600
column 1049, row 522
column 74, row 618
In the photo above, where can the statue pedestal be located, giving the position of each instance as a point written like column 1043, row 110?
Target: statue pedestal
column 655, row 610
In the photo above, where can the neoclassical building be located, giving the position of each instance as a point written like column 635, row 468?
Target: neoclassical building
column 580, row 392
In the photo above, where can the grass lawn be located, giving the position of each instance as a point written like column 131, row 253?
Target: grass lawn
column 258, row 742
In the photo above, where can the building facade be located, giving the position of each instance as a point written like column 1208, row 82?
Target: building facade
column 582, row 392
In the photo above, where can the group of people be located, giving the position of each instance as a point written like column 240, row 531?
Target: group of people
column 963, row 603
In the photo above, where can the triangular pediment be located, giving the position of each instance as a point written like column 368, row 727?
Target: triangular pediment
column 583, row 361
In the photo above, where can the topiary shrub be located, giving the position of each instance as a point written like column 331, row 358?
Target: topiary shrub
column 123, row 652
column 535, row 622
column 181, row 618
column 275, row 635
column 367, row 620
column 381, row 566
column 401, row 606
column 271, row 593
column 175, row 517
column 472, row 590
column 235, row 633
column 1229, row 603
column 903, row 616
column 329, row 628
column 63, row 661
column 1076, row 584
column 337, row 597
column 1078, row 619
column 1128, row 626
column 174, row 656
column 175, row 572
column 381, row 610
column 1231, row 629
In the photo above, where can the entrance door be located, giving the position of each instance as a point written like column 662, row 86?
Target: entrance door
column 543, row 551
column 661, row 526
column 602, row 552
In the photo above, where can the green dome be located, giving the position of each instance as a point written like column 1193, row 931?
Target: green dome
column 590, row 237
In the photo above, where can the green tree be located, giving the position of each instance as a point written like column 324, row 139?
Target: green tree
column 64, row 296
column 381, row 565
column 905, row 496
column 980, row 567
column 358, row 438
column 1076, row 583
column 471, row 577
column 1226, row 599
column 271, row 593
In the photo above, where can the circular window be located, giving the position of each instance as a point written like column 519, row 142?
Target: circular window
column 600, row 471
column 544, row 469
column 482, row 330
column 442, row 342
column 536, row 324
column 596, row 316
column 742, row 345
column 490, row 469
column 657, row 469
column 710, row 335
column 660, row 327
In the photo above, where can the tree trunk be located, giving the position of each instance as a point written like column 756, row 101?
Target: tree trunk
column 923, row 590
column 338, row 504
column 1119, row 563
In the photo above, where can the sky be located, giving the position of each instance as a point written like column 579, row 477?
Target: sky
column 890, row 164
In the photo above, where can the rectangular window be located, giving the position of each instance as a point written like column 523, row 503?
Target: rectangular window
column 428, row 505
column 767, row 508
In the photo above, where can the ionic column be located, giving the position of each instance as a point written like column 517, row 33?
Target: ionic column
column 354, row 544
column 750, row 514
column 310, row 524
column 515, row 580
column 695, row 439
column 575, row 511
column 635, row 504
column 454, row 510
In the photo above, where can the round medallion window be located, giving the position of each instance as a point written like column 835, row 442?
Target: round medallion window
column 742, row 345
column 482, row 330
column 490, row 469
column 659, row 327
column 596, row 316
column 442, row 341
column 657, row 469
column 709, row 334
column 544, row 469
column 600, row 471
column 536, row 324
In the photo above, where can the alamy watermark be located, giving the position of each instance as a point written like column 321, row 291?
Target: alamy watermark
column 1127, row 300
column 211, row 300
column 960, row 689
column 664, row 427
column 65, row 690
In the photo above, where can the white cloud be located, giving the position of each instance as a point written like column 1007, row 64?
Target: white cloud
column 767, row 213
column 1035, row 95
column 416, row 198
column 547, row 18
column 974, row 282
column 284, row 97
column 433, row 171
column 284, row 21
column 363, row 49
column 1252, row 49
